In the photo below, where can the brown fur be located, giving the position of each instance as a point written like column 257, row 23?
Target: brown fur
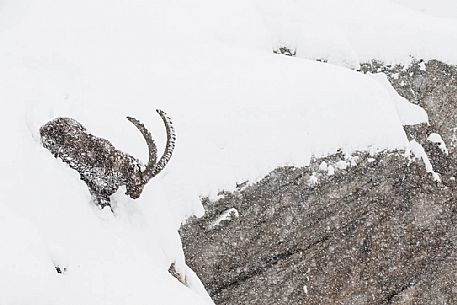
column 99, row 163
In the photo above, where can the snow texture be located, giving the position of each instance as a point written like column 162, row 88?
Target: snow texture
column 419, row 152
column 436, row 138
column 239, row 111
column 226, row 215
column 350, row 32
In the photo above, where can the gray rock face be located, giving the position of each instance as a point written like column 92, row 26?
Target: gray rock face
column 358, row 229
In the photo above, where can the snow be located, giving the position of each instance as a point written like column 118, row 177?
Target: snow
column 436, row 138
column 419, row 152
column 239, row 112
column 328, row 168
column 323, row 166
column 226, row 215
column 313, row 180
column 24, row 261
column 351, row 32
column 408, row 113
column 341, row 164
column 422, row 66
column 437, row 8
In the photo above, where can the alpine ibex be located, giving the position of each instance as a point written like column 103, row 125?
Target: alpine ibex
column 100, row 165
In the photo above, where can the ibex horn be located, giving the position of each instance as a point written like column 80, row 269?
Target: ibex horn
column 148, row 138
column 153, row 167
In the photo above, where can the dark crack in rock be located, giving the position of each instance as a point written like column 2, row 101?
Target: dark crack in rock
column 361, row 229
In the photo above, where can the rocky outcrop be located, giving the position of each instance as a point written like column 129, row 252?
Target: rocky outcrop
column 433, row 86
column 360, row 229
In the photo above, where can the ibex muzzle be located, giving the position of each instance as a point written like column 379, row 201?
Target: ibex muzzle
column 100, row 165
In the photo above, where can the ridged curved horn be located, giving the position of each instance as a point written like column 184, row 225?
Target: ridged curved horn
column 148, row 138
column 153, row 169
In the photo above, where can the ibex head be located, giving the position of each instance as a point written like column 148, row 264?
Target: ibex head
column 100, row 165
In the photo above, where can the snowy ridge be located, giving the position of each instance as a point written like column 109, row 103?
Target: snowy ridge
column 350, row 32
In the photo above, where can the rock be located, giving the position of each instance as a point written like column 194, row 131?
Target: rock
column 433, row 86
column 360, row 229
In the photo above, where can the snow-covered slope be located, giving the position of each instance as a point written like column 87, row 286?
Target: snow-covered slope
column 350, row 32
column 238, row 109
column 438, row 8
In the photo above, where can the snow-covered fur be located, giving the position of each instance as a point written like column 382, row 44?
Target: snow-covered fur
column 100, row 164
